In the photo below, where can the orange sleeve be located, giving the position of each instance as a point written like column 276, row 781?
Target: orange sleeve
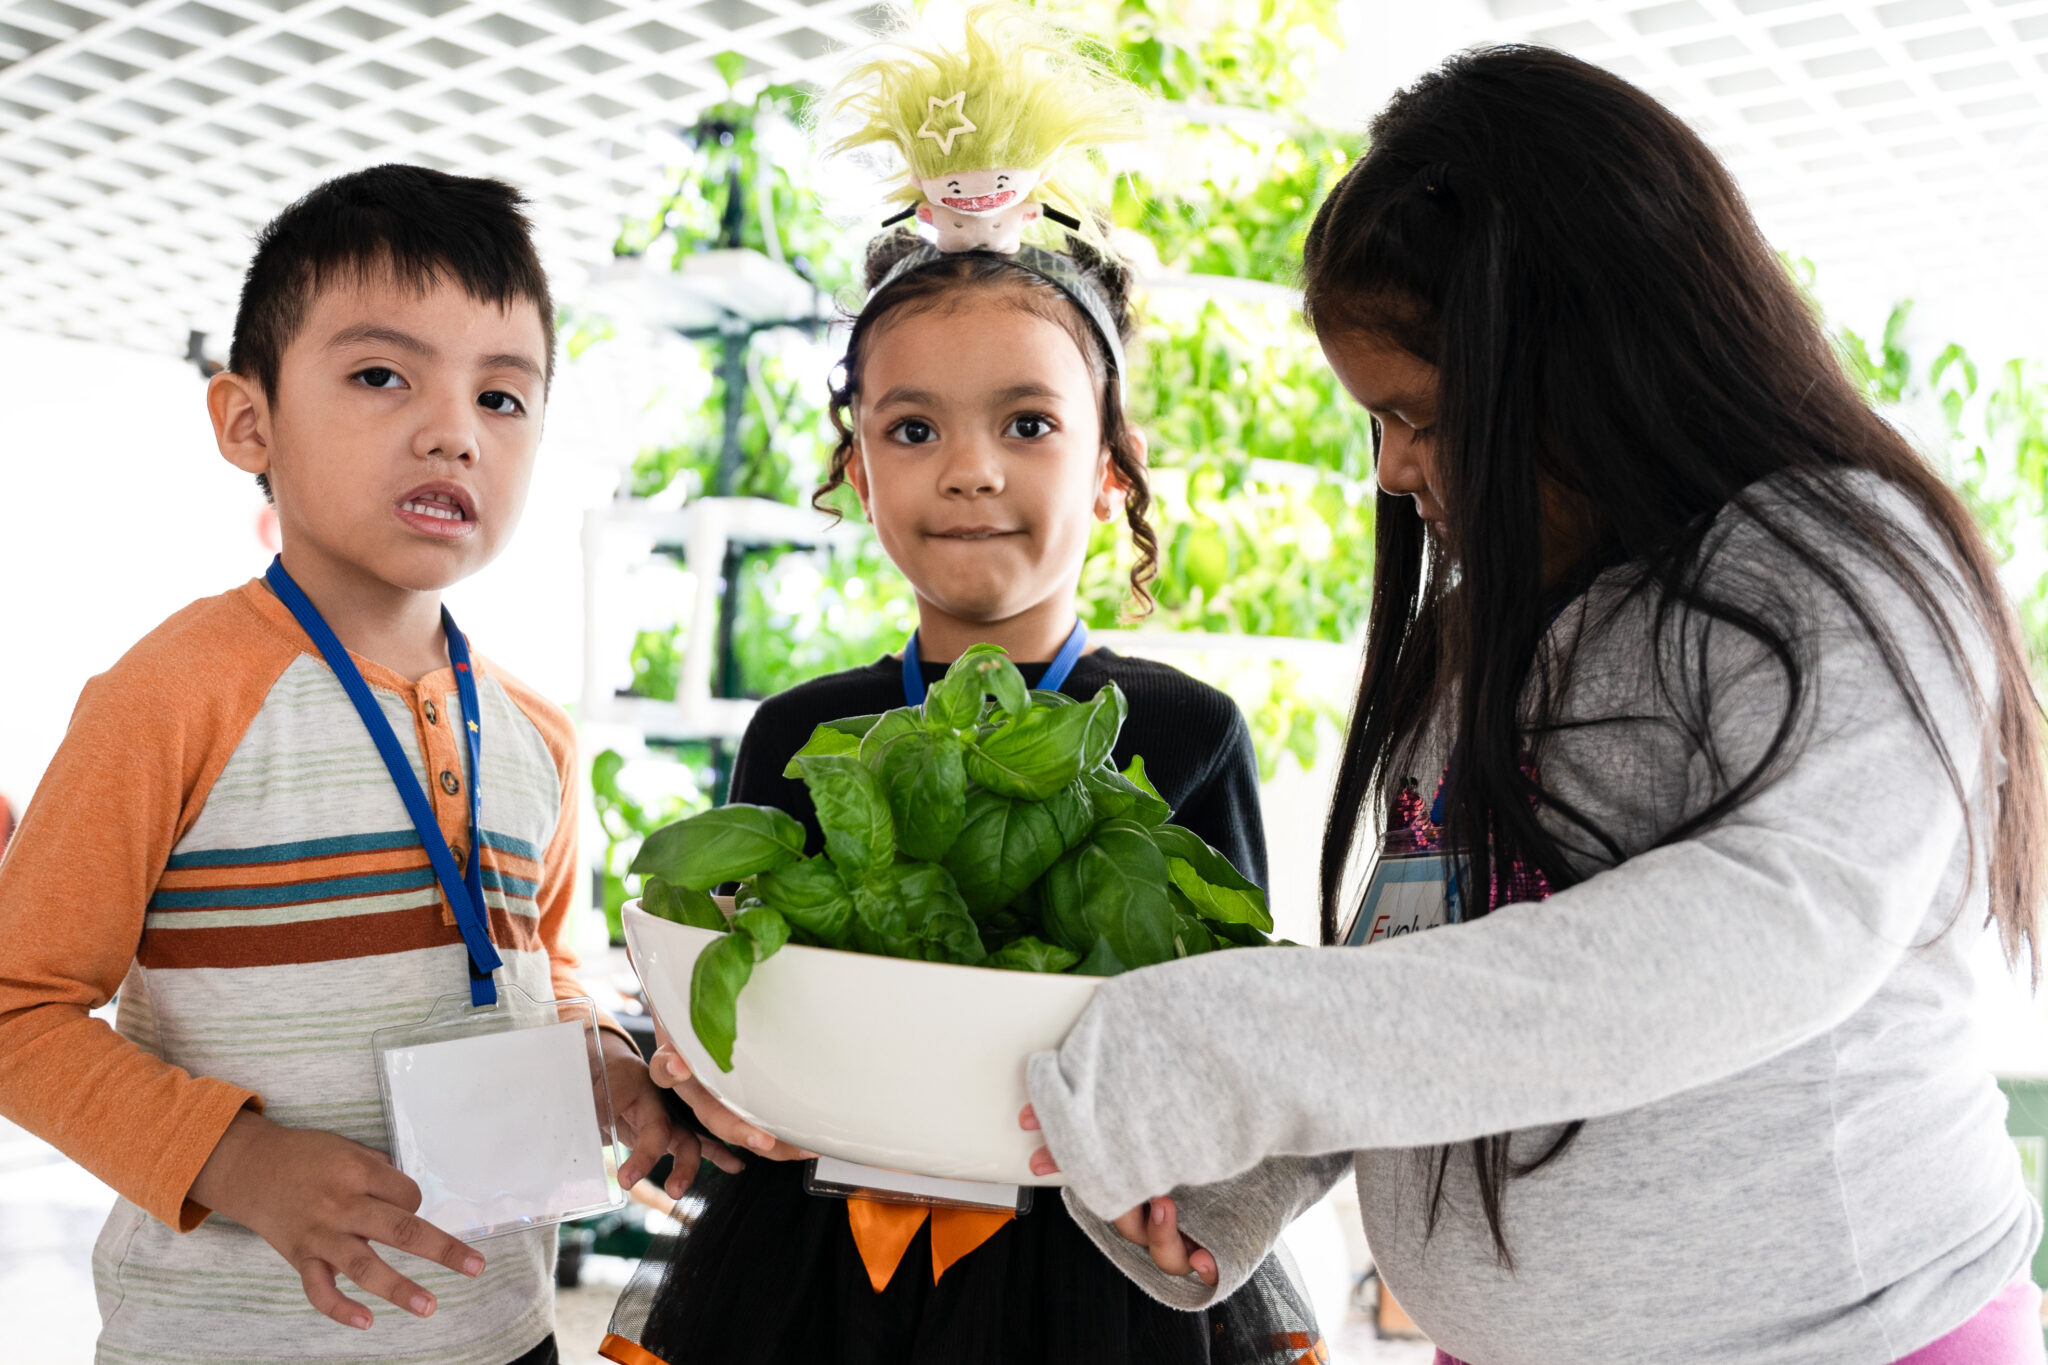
column 145, row 744
column 562, row 862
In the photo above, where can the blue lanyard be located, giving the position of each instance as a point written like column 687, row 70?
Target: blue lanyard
column 465, row 891
column 1055, row 672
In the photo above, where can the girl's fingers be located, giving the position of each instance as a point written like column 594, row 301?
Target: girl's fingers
column 723, row 1157
column 1028, row 1120
column 1204, row 1264
column 317, row 1279
column 1162, row 1236
column 1042, row 1162
column 730, row 1127
column 1131, row 1226
column 667, row 1069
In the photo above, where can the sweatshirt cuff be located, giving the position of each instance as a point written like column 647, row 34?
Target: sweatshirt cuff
column 219, row 1103
column 1185, row 1292
column 1065, row 1120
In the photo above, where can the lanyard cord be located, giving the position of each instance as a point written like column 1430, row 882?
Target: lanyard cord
column 1056, row 672
column 464, row 891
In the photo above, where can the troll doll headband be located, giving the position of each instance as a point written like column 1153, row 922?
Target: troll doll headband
column 992, row 134
column 1055, row 268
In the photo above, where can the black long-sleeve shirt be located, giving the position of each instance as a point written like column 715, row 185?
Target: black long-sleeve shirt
column 1196, row 746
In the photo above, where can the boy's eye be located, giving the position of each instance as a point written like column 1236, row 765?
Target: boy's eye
column 497, row 400
column 377, row 377
column 1031, row 426
column 912, row 431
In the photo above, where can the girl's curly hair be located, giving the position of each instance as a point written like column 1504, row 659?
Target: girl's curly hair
column 927, row 287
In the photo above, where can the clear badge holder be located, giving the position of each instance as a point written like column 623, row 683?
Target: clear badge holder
column 832, row 1178
column 502, row 1115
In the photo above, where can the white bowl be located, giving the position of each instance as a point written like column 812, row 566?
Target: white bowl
column 915, row 1066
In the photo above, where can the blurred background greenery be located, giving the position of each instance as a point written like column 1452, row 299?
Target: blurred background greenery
column 1260, row 465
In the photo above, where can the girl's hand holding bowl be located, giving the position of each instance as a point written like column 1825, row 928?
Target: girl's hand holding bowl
column 1154, row 1224
column 670, row 1071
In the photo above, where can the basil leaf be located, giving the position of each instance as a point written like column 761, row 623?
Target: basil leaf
column 924, row 780
column 1243, row 935
column 954, row 702
column 879, row 923
column 999, row 678
column 681, row 904
column 1190, row 935
column 1114, row 889
column 1032, row 955
column 715, row 983
column 1116, row 797
column 722, row 845
column 1136, row 773
column 1034, row 756
column 764, row 929
column 903, row 723
column 1073, row 813
column 811, row 896
column 859, row 835
column 857, row 726
column 1004, row 846
column 1106, row 714
column 826, row 739
column 1101, row 961
column 1215, row 888
column 1041, row 697
column 939, row 927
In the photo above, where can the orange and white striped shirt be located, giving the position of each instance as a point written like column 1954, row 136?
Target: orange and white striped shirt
column 218, row 843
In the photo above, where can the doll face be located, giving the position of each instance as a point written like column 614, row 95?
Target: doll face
column 988, row 210
column 979, row 193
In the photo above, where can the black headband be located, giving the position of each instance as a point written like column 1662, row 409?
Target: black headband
column 1059, row 271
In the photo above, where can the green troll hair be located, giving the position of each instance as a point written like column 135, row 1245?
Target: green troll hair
column 1037, row 99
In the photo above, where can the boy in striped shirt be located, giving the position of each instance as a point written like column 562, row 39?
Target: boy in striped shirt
column 219, row 842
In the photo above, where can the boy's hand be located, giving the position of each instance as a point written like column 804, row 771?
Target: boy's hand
column 644, row 1124
column 320, row 1201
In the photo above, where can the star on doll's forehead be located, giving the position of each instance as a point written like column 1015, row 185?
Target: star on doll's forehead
column 946, row 119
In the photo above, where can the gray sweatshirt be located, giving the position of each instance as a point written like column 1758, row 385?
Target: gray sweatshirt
column 1792, row 1151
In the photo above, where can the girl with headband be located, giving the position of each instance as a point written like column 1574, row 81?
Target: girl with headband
column 980, row 417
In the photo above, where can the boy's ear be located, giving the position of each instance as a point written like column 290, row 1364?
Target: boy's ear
column 241, row 421
column 1111, row 496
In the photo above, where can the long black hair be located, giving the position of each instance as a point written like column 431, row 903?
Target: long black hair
column 1612, row 334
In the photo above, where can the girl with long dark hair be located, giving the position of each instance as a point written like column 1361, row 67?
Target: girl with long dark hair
column 1692, row 703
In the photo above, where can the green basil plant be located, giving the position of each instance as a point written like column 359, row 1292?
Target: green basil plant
column 987, row 827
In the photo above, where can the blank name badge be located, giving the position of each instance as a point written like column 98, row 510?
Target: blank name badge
column 1408, row 892
column 502, row 1115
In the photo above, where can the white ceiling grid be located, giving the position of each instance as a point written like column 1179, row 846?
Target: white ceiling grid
column 1903, row 146
column 142, row 144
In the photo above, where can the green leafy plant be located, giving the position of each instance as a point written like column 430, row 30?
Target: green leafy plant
column 985, row 827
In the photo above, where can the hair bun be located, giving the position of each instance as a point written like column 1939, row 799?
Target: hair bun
column 1110, row 276
column 885, row 249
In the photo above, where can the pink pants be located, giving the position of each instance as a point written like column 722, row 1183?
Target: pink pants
column 2006, row 1331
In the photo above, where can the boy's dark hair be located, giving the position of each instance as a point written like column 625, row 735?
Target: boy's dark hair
column 423, row 226
column 927, row 287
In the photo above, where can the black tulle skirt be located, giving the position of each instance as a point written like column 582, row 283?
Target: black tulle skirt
column 768, row 1273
